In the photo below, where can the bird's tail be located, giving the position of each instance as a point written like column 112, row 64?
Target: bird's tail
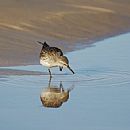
column 45, row 45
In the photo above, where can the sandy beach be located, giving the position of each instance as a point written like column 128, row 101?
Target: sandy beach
column 68, row 24
column 97, row 96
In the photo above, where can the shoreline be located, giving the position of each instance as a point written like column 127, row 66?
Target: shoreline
column 19, row 70
column 78, row 46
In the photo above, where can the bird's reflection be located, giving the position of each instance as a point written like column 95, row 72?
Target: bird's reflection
column 54, row 96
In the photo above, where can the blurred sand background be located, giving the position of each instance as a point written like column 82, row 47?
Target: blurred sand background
column 69, row 24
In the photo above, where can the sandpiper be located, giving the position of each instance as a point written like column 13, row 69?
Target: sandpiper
column 53, row 57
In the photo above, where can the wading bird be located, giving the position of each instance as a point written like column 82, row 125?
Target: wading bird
column 53, row 57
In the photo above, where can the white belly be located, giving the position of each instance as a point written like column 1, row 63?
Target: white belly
column 45, row 63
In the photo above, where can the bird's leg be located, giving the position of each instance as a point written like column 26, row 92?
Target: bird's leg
column 61, row 87
column 50, row 73
column 49, row 84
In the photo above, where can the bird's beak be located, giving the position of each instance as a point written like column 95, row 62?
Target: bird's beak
column 70, row 69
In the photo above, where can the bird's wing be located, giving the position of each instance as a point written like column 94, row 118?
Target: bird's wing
column 56, row 50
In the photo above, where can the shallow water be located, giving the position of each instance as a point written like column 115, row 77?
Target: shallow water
column 100, row 98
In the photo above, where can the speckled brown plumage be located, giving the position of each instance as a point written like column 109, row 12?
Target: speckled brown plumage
column 53, row 57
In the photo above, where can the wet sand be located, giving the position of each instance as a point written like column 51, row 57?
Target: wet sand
column 100, row 98
column 19, row 72
column 68, row 24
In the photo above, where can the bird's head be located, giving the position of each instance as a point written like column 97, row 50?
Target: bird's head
column 64, row 62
